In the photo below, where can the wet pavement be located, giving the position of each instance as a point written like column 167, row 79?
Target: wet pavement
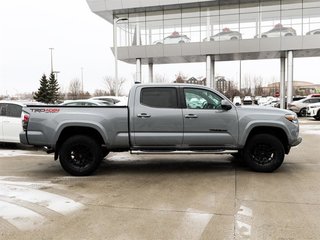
column 162, row 196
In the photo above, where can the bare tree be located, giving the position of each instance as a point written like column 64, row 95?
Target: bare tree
column 74, row 89
column 159, row 78
column 114, row 87
column 258, row 86
column 99, row 92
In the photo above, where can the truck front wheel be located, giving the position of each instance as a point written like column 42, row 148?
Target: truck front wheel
column 80, row 155
column 264, row 153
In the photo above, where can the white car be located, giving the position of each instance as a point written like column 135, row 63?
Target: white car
column 85, row 103
column 314, row 32
column 300, row 106
column 247, row 100
column 175, row 37
column 113, row 100
column 237, row 100
column 226, row 34
column 11, row 116
column 279, row 31
column 313, row 110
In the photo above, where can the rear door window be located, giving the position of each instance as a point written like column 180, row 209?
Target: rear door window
column 164, row 97
column 3, row 109
column 14, row 110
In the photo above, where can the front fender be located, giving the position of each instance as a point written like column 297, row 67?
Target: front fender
column 249, row 127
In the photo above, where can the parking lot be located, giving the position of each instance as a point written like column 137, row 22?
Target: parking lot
column 162, row 196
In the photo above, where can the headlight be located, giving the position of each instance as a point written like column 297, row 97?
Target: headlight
column 313, row 106
column 292, row 118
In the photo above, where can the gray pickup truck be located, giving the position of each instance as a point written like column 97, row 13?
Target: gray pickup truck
column 171, row 117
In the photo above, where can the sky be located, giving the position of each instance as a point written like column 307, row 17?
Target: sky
column 81, row 39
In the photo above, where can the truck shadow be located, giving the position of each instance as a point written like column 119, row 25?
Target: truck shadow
column 162, row 165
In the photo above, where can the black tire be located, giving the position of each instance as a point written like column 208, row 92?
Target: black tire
column 288, row 35
column 264, row 36
column 317, row 117
column 181, row 41
column 234, row 38
column 80, row 155
column 264, row 153
column 303, row 112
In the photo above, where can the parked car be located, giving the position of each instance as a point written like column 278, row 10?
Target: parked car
column 226, row 34
column 300, row 106
column 113, row 100
column 11, row 116
column 175, row 37
column 247, row 100
column 237, row 100
column 279, row 31
column 313, row 110
column 313, row 32
column 85, row 102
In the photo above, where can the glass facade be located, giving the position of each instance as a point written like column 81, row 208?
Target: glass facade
column 239, row 20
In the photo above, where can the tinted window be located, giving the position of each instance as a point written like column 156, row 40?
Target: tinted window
column 14, row 110
column 201, row 99
column 3, row 109
column 314, row 100
column 159, row 97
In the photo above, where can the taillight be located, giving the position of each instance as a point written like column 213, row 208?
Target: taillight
column 25, row 121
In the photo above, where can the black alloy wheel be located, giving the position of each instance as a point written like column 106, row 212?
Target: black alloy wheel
column 264, row 153
column 80, row 155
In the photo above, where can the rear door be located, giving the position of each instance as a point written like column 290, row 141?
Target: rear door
column 157, row 118
column 206, row 124
column 12, row 123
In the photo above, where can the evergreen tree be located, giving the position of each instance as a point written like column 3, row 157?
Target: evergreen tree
column 41, row 94
column 53, row 89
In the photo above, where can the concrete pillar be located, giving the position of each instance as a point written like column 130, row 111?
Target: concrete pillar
column 213, row 86
column 282, row 82
column 138, row 71
column 210, row 72
column 150, row 72
column 290, row 76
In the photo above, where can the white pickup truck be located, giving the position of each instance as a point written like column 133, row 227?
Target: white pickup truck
column 171, row 117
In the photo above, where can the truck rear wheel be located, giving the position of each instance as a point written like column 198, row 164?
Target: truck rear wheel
column 80, row 155
column 264, row 153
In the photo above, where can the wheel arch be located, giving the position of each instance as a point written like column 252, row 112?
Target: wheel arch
column 275, row 131
column 67, row 132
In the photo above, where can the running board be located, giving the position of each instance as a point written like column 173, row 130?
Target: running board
column 138, row 152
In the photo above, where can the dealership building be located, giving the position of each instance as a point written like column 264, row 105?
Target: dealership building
column 185, row 31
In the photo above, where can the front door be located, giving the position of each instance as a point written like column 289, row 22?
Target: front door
column 206, row 124
column 157, row 119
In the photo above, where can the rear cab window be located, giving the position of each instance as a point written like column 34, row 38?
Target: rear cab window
column 159, row 97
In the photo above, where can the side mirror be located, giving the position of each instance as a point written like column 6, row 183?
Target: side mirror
column 225, row 105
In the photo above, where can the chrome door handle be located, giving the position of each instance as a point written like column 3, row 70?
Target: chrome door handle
column 143, row 115
column 191, row 116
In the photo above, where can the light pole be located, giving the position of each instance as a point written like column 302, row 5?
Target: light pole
column 56, row 73
column 115, row 45
column 82, row 79
column 51, row 49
